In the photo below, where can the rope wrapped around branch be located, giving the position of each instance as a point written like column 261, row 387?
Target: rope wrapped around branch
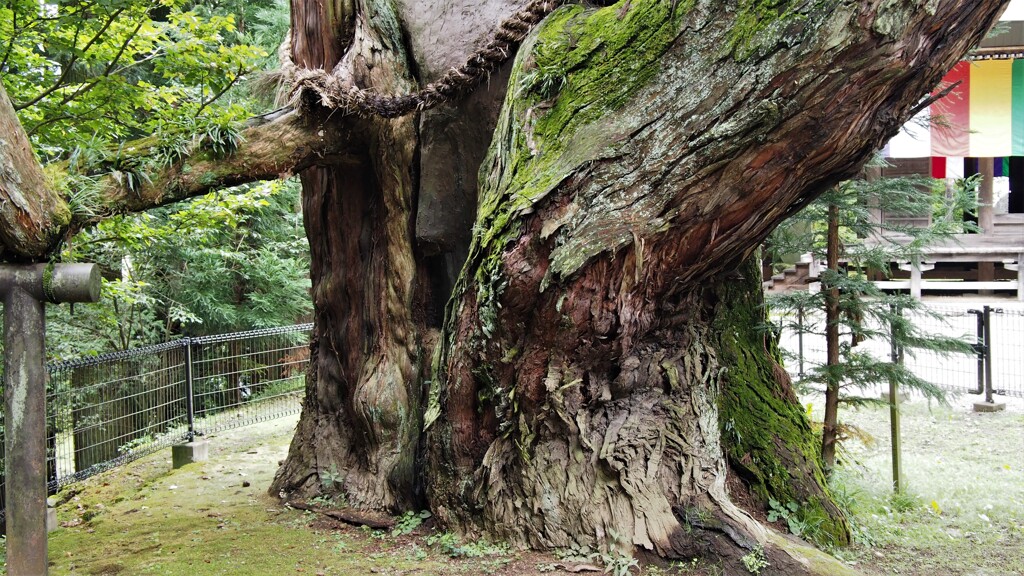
column 320, row 88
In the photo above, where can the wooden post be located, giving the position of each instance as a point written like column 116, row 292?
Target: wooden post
column 896, row 353
column 986, row 217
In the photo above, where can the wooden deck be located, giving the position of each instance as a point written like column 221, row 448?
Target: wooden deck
column 1001, row 247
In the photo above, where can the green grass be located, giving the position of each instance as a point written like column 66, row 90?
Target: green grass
column 963, row 508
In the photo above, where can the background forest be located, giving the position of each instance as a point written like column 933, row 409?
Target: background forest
column 85, row 76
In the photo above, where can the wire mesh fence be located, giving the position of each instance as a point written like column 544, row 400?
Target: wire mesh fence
column 241, row 379
column 107, row 410
column 995, row 367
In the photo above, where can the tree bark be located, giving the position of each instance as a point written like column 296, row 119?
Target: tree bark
column 644, row 151
column 599, row 372
column 32, row 216
column 361, row 421
column 830, row 428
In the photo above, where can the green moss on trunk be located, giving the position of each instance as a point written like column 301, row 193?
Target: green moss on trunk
column 765, row 432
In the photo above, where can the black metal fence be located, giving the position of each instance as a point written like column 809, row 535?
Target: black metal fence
column 996, row 367
column 107, row 410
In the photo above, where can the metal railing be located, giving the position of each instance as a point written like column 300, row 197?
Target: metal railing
column 107, row 410
column 996, row 334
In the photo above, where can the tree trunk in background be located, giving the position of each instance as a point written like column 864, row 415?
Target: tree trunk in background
column 830, row 428
column 361, row 419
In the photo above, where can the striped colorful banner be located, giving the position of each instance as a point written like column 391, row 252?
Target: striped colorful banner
column 981, row 117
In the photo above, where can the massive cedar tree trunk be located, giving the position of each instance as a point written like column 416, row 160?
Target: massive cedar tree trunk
column 599, row 379
column 597, row 347
column 361, row 420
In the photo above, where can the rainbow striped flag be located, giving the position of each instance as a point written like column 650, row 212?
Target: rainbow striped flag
column 981, row 117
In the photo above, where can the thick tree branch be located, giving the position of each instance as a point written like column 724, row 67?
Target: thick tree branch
column 31, row 214
column 273, row 146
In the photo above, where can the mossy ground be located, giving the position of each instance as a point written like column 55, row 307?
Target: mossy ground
column 969, row 464
column 215, row 517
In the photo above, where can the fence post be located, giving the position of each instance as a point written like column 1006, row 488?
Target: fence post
column 989, row 405
column 191, row 450
column 190, row 397
column 979, row 347
column 896, row 355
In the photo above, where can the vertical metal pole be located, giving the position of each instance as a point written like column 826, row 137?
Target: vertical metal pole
column 800, row 337
column 25, row 436
column 980, row 348
column 988, row 354
column 896, row 354
column 190, row 401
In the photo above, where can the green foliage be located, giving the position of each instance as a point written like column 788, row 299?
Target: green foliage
column 230, row 260
column 409, row 522
column 907, row 197
column 865, row 311
column 330, row 478
column 801, row 521
column 89, row 73
column 756, row 560
column 618, row 564
column 450, row 545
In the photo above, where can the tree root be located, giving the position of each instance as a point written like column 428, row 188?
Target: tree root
column 351, row 516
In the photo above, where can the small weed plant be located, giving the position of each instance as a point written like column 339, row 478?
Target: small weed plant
column 755, row 561
column 904, row 502
column 618, row 564
column 450, row 545
column 134, row 444
column 328, row 478
column 798, row 521
column 409, row 522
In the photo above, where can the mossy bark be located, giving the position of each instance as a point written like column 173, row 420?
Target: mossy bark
column 32, row 215
column 601, row 369
column 771, row 449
